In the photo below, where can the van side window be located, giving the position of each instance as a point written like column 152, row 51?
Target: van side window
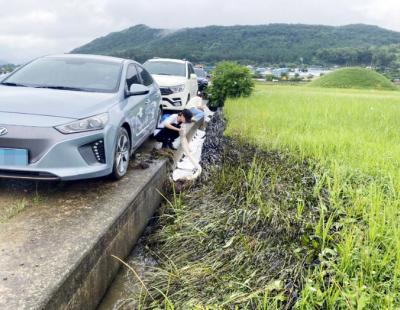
column 147, row 80
column 191, row 69
column 132, row 76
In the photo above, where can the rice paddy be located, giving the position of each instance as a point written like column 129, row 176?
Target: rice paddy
column 353, row 139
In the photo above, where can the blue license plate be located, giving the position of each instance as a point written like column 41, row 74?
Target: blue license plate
column 13, row 157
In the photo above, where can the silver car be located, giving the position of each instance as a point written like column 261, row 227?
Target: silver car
column 69, row 117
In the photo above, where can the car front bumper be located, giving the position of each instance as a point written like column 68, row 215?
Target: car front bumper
column 56, row 156
column 173, row 101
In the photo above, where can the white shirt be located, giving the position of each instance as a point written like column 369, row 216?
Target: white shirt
column 172, row 119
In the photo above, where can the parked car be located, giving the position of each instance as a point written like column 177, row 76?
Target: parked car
column 68, row 117
column 177, row 81
column 202, row 78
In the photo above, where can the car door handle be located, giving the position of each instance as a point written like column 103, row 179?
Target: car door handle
column 147, row 101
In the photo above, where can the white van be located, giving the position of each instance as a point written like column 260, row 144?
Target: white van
column 177, row 81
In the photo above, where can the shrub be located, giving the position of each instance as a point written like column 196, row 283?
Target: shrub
column 269, row 77
column 229, row 80
column 257, row 75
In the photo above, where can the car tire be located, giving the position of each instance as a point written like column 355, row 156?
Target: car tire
column 122, row 154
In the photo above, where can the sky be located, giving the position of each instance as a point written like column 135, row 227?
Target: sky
column 32, row 28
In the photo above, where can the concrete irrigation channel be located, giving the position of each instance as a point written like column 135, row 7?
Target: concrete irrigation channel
column 57, row 253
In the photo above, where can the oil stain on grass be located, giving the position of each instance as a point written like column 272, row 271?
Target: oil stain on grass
column 244, row 238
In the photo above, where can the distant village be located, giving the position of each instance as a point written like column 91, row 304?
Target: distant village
column 269, row 74
column 288, row 74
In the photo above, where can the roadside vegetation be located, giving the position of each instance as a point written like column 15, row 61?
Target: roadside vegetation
column 12, row 210
column 358, row 78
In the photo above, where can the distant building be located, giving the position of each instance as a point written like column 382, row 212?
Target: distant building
column 279, row 72
column 263, row 71
column 312, row 72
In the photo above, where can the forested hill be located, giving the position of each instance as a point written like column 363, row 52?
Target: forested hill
column 273, row 43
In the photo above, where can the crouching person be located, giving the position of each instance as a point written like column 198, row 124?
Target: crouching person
column 171, row 127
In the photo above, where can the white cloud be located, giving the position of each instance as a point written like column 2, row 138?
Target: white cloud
column 30, row 28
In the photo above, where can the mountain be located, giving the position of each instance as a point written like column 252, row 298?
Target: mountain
column 273, row 43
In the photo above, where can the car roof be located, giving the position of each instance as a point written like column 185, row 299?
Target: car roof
column 169, row 59
column 88, row 56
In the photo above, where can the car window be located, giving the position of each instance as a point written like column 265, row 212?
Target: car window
column 191, row 70
column 147, row 80
column 132, row 76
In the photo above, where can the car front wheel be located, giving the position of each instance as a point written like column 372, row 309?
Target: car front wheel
column 122, row 154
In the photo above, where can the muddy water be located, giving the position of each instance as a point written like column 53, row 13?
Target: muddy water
column 120, row 294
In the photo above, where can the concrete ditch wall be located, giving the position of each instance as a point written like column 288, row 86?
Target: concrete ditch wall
column 57, row 257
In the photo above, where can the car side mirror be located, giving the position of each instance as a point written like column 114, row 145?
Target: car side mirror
column 193, row 76
column 138, row 90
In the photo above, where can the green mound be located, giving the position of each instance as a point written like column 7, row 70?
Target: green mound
column 354, row 78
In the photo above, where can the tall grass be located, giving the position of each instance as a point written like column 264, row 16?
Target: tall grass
column 354, row 139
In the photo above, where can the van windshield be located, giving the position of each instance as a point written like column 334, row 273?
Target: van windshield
column 165, row 68
column 80, row 74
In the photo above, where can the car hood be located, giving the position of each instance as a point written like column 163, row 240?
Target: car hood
column 54, row 102
column 169, row 80
column 30, row 120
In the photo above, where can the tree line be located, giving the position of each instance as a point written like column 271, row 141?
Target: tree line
column 262, row 44
column 383, row 56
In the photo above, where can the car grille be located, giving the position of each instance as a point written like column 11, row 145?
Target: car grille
column 166, row 91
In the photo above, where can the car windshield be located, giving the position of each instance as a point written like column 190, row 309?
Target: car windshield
column 78, row 74
column 200, row 72
column 165, row 68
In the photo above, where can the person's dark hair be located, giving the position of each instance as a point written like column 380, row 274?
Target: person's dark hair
column 187, row 114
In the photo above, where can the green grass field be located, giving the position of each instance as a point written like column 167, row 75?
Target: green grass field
column 353, row 140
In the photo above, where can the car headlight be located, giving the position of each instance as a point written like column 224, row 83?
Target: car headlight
column 177, row 88
column 88, row 124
